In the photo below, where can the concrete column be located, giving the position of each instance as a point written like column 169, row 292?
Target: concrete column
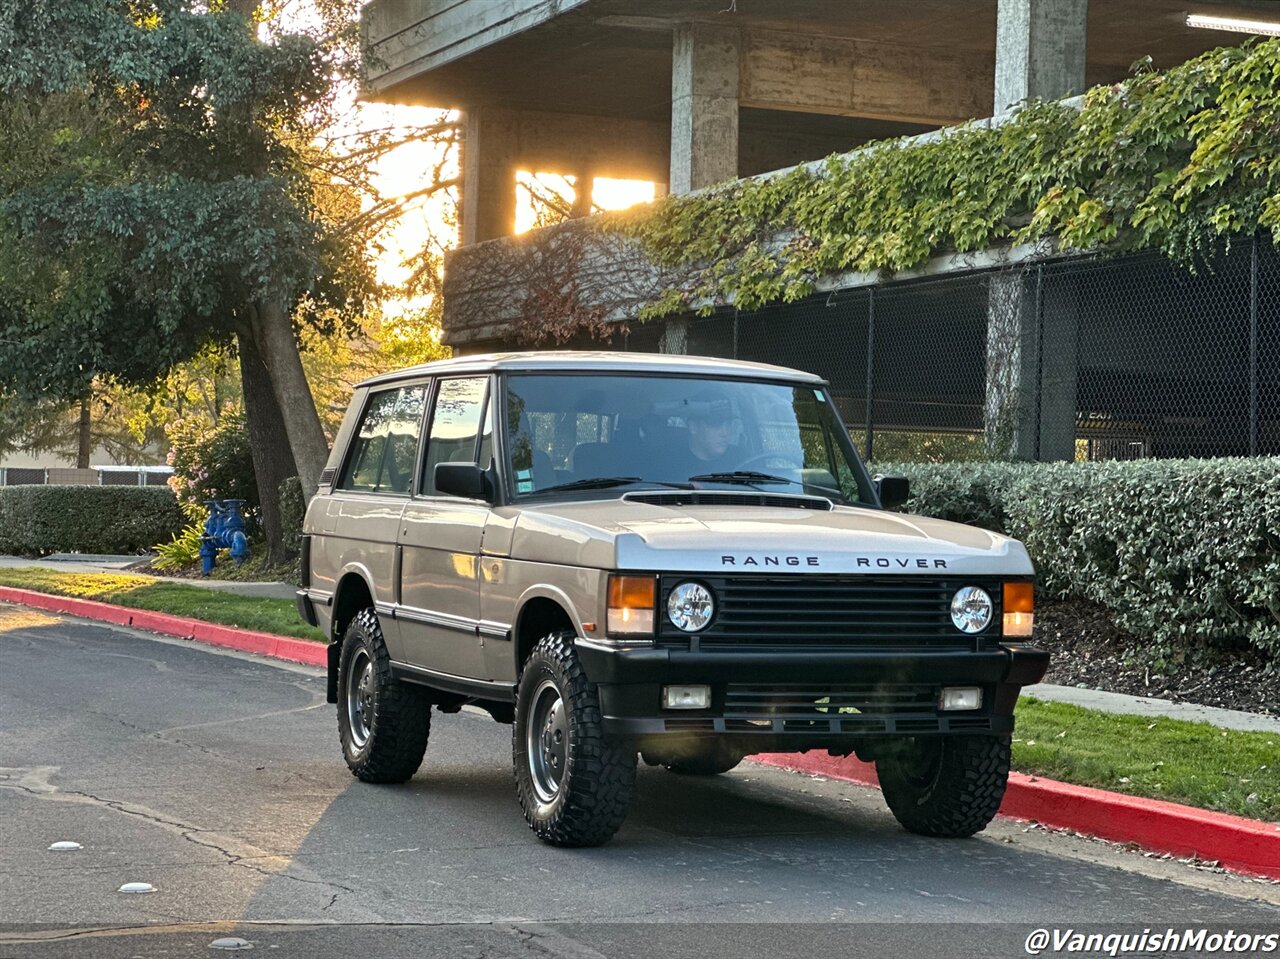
column 490, row 137
column 675, row 337
column 1040, row 50
column 704, row 106
column 1032, row 367
column 1059, row 368
column 1009, row 410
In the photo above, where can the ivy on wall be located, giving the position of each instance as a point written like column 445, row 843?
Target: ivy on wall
column 1178, row 161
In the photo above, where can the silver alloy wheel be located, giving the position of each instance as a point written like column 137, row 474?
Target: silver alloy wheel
column 360, row 685
column 547, row 741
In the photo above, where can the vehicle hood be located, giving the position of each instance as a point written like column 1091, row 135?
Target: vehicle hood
column 619, row 534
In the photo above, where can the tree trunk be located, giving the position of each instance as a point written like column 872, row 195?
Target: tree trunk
column 85, row 447
column 274, row 337
column 272, row 458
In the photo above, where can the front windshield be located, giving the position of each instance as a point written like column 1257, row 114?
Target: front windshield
column 597, row 431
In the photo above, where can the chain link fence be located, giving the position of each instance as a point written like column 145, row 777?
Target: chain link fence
column 1076, row 359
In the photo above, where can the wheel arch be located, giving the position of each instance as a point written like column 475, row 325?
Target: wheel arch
column 541, row 610
column 352, row 594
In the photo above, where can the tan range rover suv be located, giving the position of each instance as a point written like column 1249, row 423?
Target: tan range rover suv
column 673, row 558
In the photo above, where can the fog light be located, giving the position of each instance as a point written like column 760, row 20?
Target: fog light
column 960, row 697
column 686, row 697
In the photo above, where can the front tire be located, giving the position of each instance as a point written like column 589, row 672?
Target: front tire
column 383, row 724
column 946, row 786
column 573, row 781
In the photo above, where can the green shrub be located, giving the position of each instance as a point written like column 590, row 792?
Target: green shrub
column 293, row 509
column 1184, row 553
column 38, row 520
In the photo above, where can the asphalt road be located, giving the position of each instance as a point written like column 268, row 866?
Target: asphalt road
column 217, row 778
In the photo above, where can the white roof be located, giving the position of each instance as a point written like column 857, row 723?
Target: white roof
column 599, row 362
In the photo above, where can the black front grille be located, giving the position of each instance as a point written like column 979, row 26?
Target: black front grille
column 801, row 611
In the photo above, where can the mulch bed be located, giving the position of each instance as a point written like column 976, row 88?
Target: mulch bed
column 1088, row 650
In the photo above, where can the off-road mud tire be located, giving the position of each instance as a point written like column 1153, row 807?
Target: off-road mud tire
column 598, row 773
column 401, row 714
column 946, row 786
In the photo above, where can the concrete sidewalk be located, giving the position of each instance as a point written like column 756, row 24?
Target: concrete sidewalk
column 1089, row 698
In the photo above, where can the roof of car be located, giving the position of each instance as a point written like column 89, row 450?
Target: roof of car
column 598, row 362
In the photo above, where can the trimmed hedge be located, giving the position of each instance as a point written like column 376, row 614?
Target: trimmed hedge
column 1184, row 553
column 39, row 520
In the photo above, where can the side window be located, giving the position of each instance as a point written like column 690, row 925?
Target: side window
column 455, row 427
column 386, row 444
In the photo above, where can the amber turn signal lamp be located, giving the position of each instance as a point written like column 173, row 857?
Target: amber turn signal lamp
column 631, row 605
column 1019, row 610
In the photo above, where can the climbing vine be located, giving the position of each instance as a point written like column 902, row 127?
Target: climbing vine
column 1178, row 161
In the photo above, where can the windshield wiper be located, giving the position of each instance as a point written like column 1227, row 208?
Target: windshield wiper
column 745, row 477
column 607, row 482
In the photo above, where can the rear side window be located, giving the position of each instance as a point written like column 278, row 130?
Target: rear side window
column 385, row 449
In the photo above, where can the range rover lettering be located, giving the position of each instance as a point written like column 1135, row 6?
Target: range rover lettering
column 674, row 560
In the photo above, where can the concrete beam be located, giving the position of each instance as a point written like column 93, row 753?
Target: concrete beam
column 704, row 106
column 1040, row 50
column 408, row 37
column 857, row 78
column 607, row 146
column 497, row 142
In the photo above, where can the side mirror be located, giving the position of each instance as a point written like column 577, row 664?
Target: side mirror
column 893, row 491
column 464, row 479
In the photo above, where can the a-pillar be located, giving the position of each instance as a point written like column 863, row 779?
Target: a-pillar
column 490, row 137
column 704, row 106
column 1040, row 50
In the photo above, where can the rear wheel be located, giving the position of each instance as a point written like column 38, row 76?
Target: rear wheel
column 946, row 786
column 383, row 724
column 574, row 782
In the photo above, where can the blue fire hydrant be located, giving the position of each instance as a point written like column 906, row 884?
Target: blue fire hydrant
column 224, row 529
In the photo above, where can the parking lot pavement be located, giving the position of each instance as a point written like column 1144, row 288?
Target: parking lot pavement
column 217, row 778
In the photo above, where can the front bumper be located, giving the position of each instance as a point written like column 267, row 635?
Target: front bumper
column 779, row 699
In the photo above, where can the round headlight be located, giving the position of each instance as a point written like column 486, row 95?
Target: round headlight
column 690, row 606
column 971, row 609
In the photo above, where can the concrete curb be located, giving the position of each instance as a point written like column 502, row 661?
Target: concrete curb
column 1245, row 845
column 229, row 637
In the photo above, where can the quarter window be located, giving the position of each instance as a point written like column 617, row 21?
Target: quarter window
column 455, row 427
column 386, row 444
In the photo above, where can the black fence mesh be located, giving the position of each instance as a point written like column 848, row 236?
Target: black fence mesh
column 1075, row 359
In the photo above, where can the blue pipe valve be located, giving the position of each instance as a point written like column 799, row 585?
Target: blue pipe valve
column 224, row 529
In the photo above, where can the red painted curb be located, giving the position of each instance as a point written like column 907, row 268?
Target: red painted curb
column 1245, row 845
column 229, row 637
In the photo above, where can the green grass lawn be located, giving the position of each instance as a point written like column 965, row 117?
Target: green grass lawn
column 278, row 616
column 1192, row 763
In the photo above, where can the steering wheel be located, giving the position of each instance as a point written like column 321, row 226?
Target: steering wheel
column 777, row 460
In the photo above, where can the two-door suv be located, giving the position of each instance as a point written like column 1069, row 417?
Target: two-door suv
column 671, row 557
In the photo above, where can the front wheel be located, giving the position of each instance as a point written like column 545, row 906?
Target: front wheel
column 574, row 782
column 946, row 786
